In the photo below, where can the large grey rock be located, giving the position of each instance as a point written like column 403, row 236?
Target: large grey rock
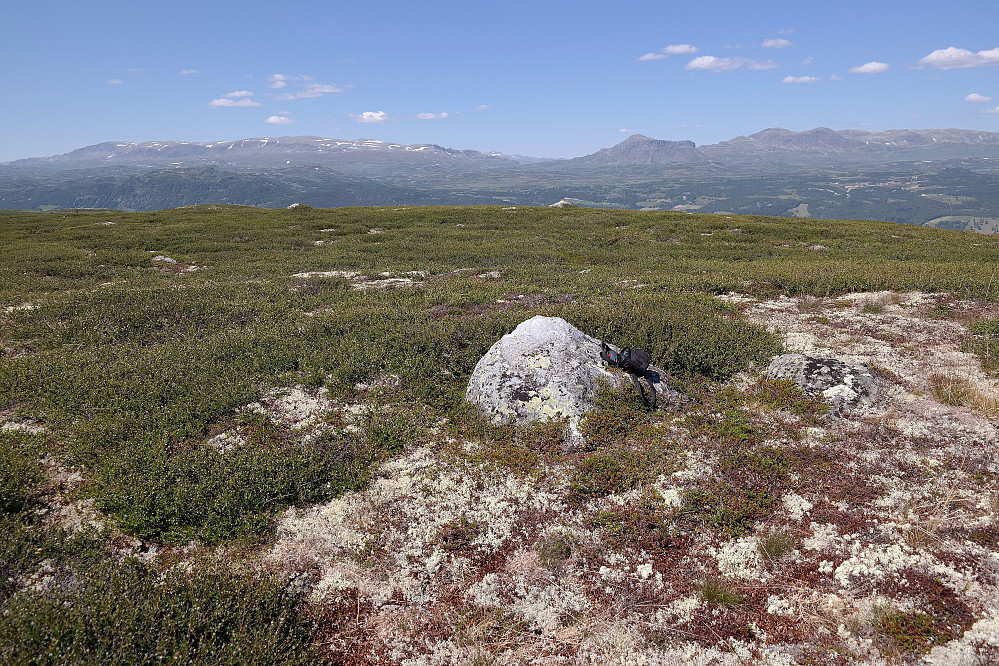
column 843, row 385
column 546, row 368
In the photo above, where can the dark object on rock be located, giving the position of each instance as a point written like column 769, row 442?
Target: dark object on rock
column 843, row 385
column 636, row 363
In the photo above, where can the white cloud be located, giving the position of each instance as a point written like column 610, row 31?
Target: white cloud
column 318, row 90
column 715, row 64
column 280, row 120
column 995, row 110
column 672, row 49
column 431, row 116
column 872, row 67
column 277, row 80
column 186, row 72
column 680, row 49
column 775, row 43
column 808, row 61
column 955, row 58
column 310, row 91
column 835, row 77
column 975, row 98
column 800, row 79
column 238, row 93
column 370, row 117
column 225, row 101
column 115, row 82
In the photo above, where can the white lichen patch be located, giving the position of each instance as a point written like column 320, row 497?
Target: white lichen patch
column 740, row 559
column 348, row 275
column 21, row 307
column 29, row 427
column 543, row 602
column 227, row 442
column 417, row 511
column 294, row 407
column 360, row 282
column 796, row 506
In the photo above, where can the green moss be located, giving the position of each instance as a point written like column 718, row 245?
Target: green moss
column 618, row 414
column 940, row 311
column 645, row 525
column 216, row 496
column 459, row 534
column 734, row 427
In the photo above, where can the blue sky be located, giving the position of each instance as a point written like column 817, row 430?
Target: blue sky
column 554, row 79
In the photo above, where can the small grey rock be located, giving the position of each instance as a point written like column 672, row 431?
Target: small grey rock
column 843, row 385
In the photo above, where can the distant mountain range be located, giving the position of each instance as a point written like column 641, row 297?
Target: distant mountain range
column 943, row 177
column 773, row 145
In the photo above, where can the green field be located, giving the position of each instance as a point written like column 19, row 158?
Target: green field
column 132, row 339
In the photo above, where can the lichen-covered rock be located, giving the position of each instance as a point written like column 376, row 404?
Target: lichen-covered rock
column 546, row 368
column 843, row 385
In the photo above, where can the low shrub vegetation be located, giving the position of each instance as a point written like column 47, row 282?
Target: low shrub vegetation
column 125, row 368
column 130, row 613
column 20, row 471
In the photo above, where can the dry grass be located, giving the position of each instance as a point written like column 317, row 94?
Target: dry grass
column 929, row 520
column 956, row 391
column 809, row 304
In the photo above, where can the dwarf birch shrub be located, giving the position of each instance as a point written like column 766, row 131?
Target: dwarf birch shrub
column 216, row 496
column 130, row 613
column 20, row 472
column 686, row 334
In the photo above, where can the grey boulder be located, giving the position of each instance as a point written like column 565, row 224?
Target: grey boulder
column 843, row 385
column 546, row 368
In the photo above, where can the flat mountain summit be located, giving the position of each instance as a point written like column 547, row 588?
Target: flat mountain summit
column 640, row 150
column 256, row 152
